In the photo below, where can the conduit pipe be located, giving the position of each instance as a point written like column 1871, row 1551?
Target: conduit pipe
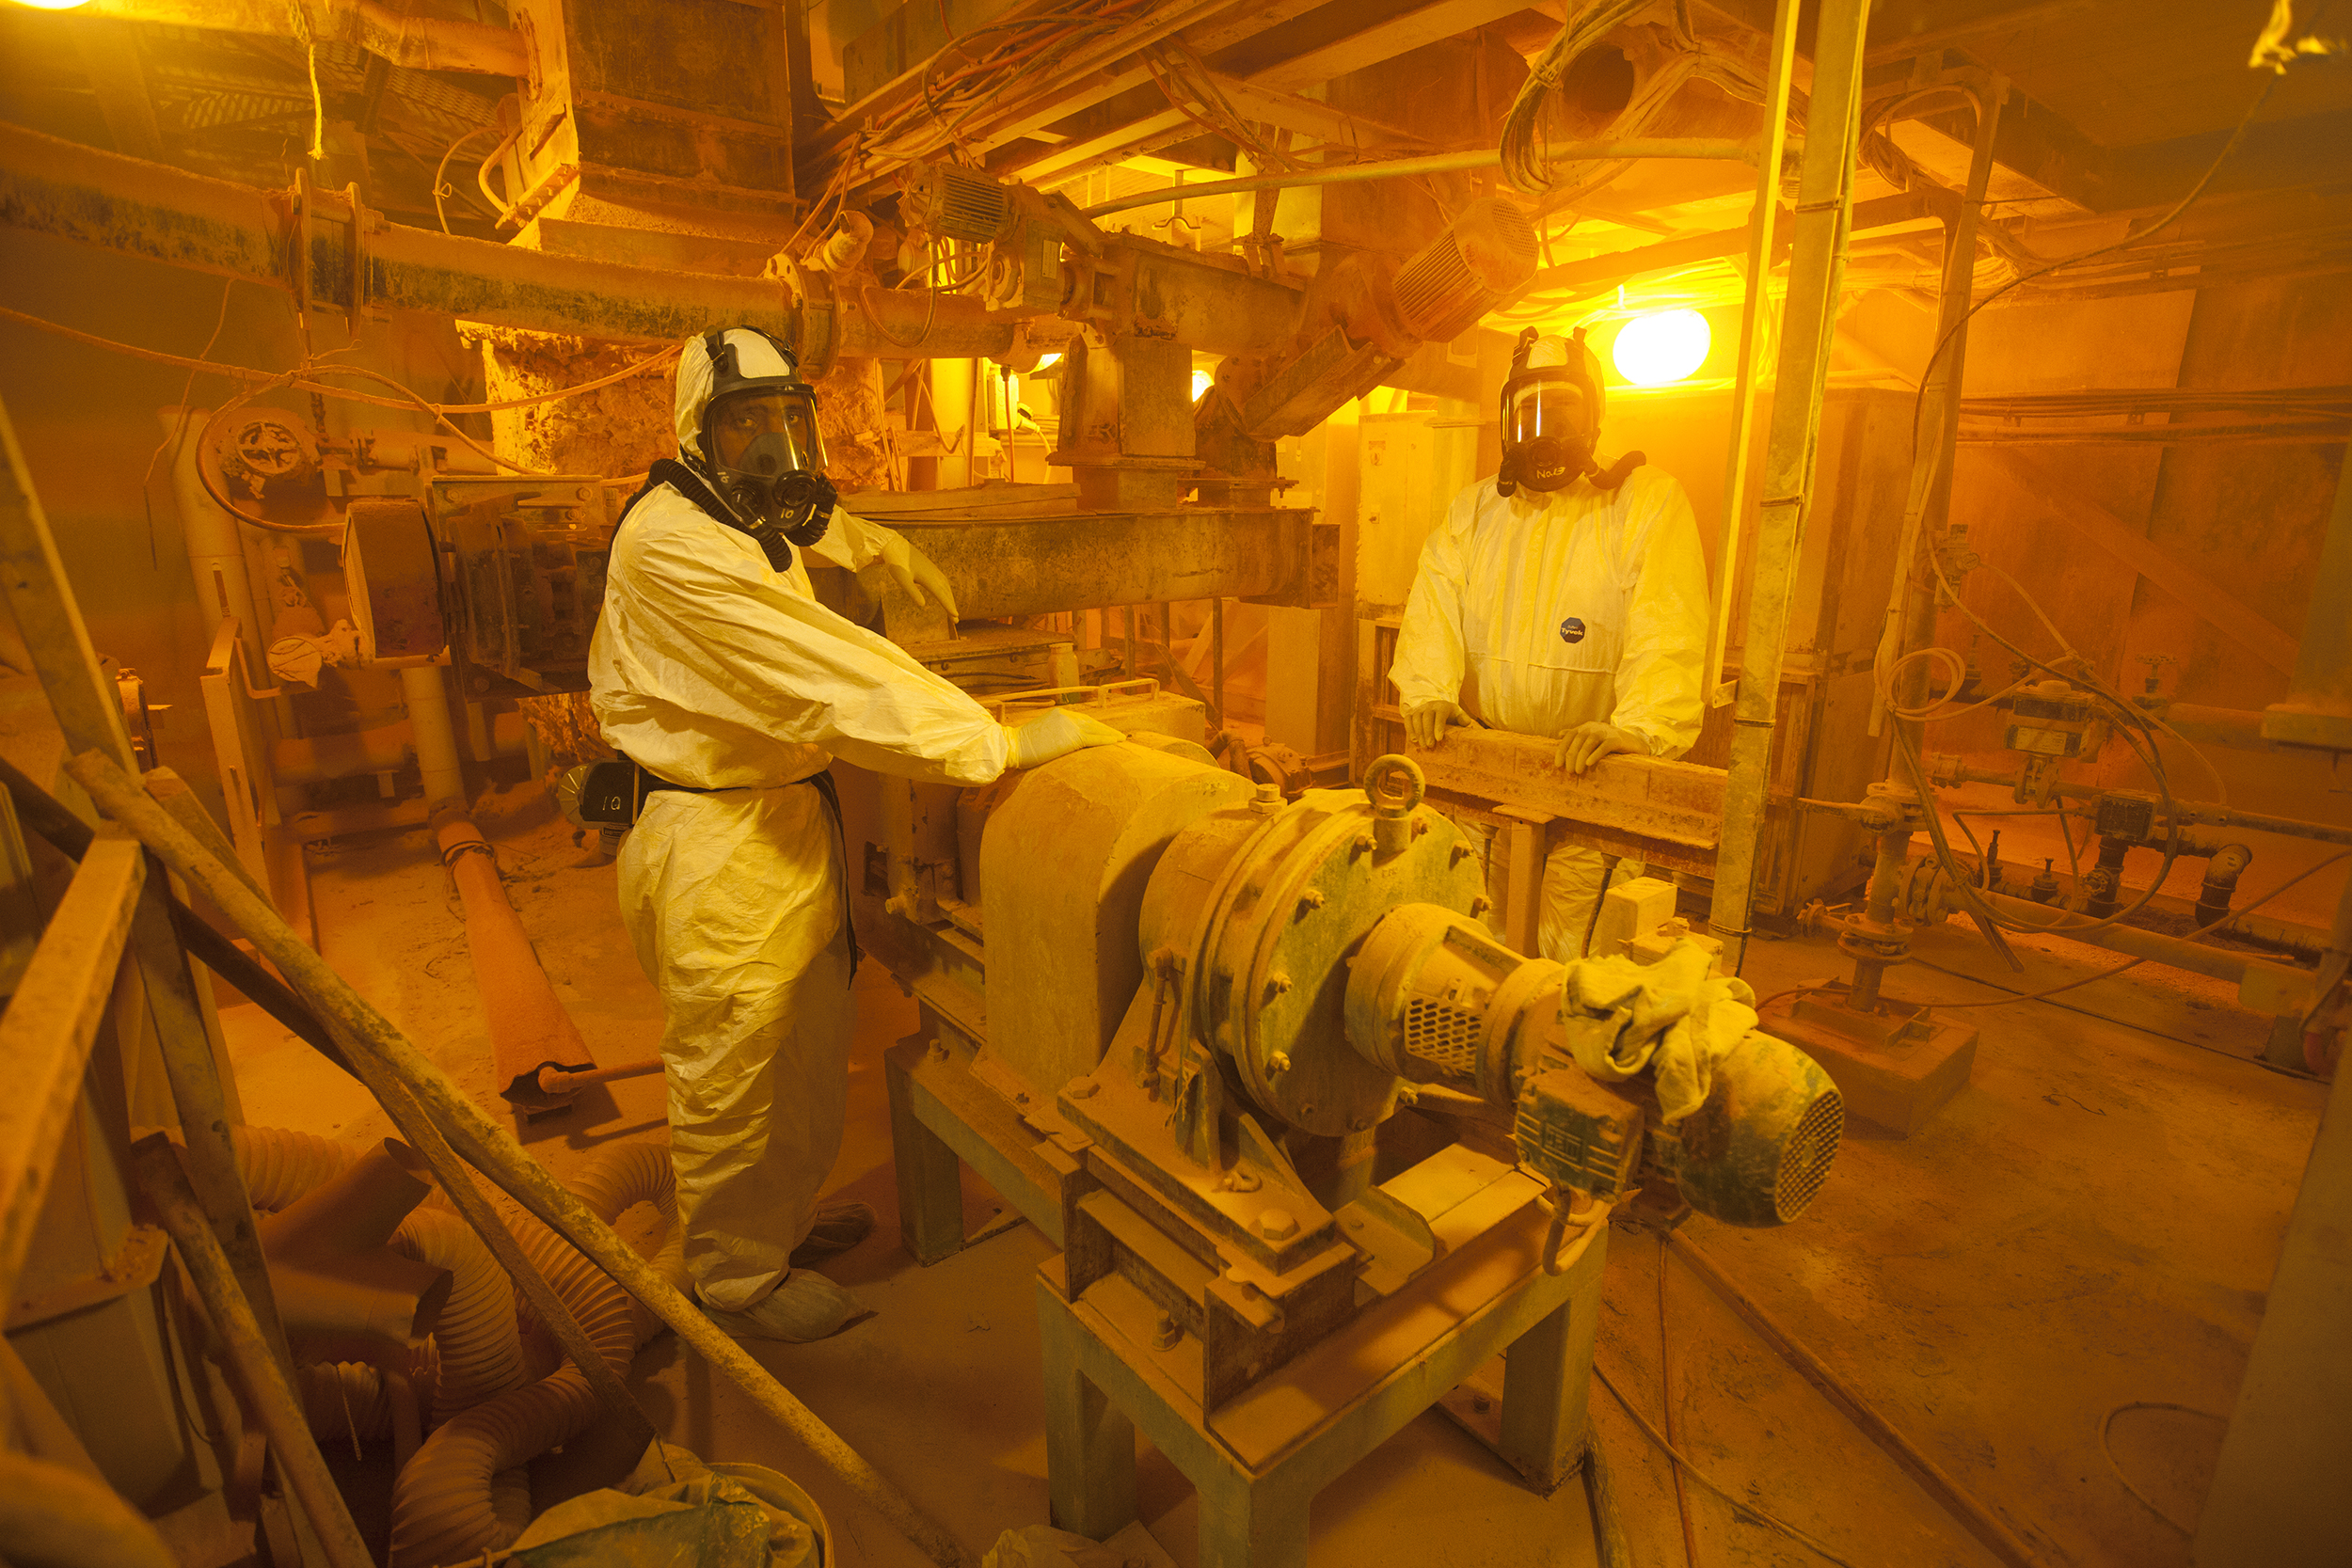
column 443, row 1506
column 475, row 1350
column 342, row 1292
column 529, row 1027
column 2179, row 952
column 315, row 759
column 434, row 737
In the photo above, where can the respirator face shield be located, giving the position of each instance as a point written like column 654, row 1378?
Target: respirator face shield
column 1547, row 428
column 769, row 460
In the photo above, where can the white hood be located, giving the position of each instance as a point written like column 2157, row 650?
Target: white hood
column 753, row 355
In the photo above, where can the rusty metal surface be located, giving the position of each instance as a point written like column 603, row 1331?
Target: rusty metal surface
column 1004, row 566
column 395, row 589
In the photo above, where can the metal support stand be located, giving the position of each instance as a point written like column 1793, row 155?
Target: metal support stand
column 1258, row 1459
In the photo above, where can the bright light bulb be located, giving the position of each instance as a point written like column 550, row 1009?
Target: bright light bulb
column 1202, row 382
column 1664, row 346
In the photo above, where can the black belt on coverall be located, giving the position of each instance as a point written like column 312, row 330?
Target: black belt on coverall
column 824, row 786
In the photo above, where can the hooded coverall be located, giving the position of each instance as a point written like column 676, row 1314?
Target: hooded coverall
column 715, row 670
column 1540, row 612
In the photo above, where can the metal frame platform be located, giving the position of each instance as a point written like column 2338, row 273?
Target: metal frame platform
column 1258, row 1459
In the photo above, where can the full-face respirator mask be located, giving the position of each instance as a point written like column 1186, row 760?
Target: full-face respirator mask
column 1552, row 402
column 761, row 449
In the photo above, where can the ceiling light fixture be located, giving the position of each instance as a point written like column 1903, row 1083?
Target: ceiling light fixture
column 1661, row 347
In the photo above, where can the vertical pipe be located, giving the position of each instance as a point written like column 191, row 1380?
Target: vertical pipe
column 1216, row 664
column 1167, row 641
column 1755, row 306
column 430, row 730
column 1128, row 612
column 1911, row 605
column 1823, row 212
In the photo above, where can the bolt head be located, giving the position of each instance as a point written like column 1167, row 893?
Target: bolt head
column 1085, row 1088
column 1278, row 1225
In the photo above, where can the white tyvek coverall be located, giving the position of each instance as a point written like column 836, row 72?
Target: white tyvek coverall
column 711, row 669
column 1540, row 612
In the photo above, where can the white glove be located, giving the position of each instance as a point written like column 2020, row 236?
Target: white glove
column 1587, row 744
column 924, row 582
column 1057, row 735
column 1426, row 724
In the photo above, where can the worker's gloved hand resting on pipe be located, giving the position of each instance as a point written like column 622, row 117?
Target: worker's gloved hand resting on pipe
column 1426, row 724
column 1057, row 735
column 1588, row 743
column 922, row 581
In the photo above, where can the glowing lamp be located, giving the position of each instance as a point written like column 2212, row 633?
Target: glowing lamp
column 1664, row 346
column 1202, row 382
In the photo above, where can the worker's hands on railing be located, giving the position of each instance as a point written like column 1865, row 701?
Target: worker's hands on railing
column 1057, row 735
column 1426, row 724
column 924, row 582
column 1587, row 744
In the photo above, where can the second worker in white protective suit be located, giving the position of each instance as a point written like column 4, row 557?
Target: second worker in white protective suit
column 717, row 673
column 1559, row 599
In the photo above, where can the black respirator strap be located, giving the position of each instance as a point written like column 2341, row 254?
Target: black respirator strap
column 687, row 483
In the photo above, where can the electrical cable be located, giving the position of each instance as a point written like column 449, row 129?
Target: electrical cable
column 2118, row 1023
column 1740, row 1507
column 2107, row 1453
column 180, row 424
column 2236, row 135
column 1666, row 1402
column 246, row 372
column 442, row 187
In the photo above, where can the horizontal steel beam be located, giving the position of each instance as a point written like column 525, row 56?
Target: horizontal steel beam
column 1080, row 560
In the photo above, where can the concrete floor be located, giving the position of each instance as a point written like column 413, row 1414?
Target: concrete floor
column 2092, row 1222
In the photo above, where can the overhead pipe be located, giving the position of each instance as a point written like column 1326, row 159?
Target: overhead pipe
column 72, row 192
column 1702, row 148
column 417, row 42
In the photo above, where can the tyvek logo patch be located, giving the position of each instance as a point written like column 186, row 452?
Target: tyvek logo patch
column 1571, row 630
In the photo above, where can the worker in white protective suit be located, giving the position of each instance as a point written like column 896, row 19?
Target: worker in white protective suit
column 1561, row 599
column 715, row 670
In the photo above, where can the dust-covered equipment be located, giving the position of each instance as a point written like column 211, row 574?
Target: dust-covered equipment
column 1258, row 1066
column 1434, row 998
column 506, row 574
